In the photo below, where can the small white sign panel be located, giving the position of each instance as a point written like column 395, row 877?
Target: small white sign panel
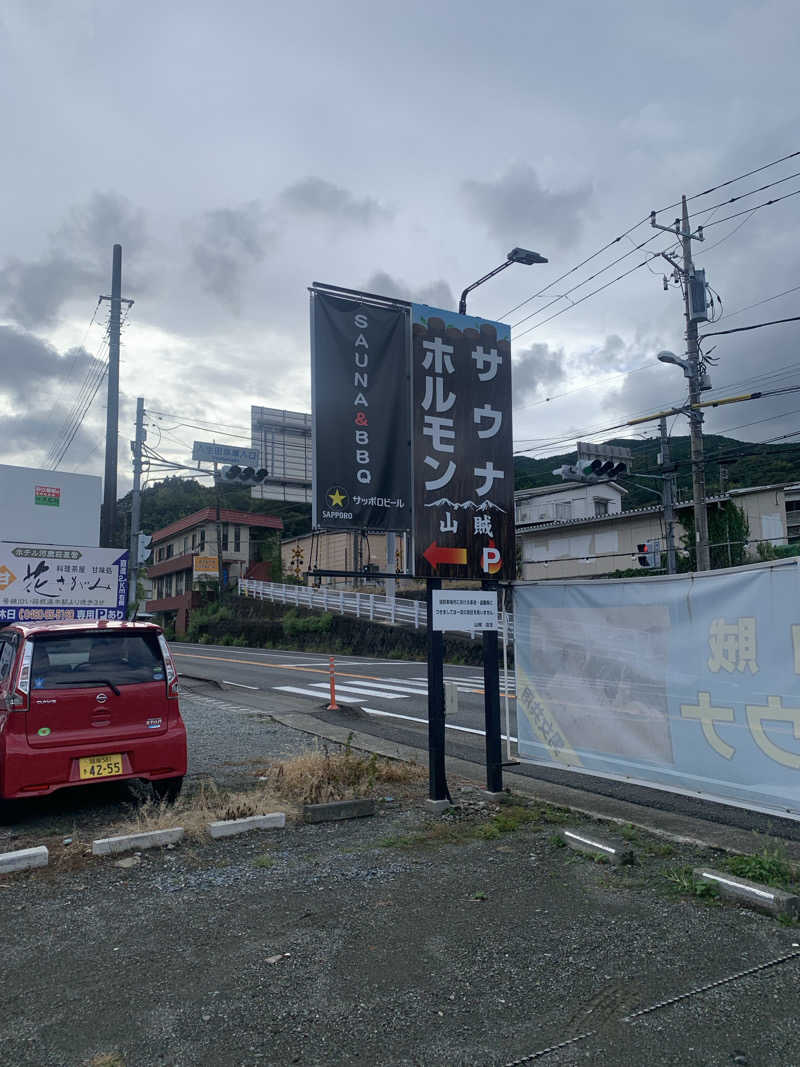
column 464, row 609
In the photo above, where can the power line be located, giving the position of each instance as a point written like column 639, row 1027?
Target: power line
column 758, row 303
column 755, row 326
column 757, row 207
column 622, row 236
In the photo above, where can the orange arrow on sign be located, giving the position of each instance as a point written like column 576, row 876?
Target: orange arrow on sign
column 436, row 554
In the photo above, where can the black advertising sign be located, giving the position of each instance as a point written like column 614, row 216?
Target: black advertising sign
column 361, row 419
column 463, row 463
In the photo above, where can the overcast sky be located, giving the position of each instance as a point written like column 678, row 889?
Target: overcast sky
column 240, row 151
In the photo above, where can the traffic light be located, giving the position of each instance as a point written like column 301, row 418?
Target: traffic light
column 649, row 554
column 592, row 470
column 297, row 561
column 236, row 475
column 143, row 547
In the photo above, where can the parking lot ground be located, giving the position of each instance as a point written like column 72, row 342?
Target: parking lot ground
column 399, row 939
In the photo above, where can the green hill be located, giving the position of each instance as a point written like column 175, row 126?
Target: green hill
column 747, row 464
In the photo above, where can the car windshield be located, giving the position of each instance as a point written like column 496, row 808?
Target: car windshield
column 121, row 659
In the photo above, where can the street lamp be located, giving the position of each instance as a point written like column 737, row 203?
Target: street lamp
column 516, row 255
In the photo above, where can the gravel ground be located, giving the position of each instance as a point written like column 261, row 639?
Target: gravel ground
column 377, row 941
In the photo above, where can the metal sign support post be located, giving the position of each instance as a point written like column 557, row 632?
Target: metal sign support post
column 437, row 779
column 491, row 704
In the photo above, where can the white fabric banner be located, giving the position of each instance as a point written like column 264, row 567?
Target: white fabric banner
column 690, row 683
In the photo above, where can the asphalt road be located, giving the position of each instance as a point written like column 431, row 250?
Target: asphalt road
column 389, row 697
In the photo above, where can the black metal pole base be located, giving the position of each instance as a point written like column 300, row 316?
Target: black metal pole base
column 437, row 780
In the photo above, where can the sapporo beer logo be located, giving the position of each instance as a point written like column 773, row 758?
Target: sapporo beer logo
column 337, row 497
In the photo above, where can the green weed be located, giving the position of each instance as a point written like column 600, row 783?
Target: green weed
column 770, row 866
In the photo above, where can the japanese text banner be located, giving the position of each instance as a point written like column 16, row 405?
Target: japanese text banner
column 463, row 463
column 54, row 582
column 361, row 416
column 690, row 684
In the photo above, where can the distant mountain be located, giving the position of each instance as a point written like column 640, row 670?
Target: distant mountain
column 468, row 505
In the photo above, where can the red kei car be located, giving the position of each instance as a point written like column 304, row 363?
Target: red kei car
column 88, row 701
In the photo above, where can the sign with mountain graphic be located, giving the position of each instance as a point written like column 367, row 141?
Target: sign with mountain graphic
column 462, row 454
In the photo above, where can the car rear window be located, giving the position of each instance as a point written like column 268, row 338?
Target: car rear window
column 68, row 659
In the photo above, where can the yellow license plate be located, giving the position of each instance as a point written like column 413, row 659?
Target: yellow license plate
column 100, row 766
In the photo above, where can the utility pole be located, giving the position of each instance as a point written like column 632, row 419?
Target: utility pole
column 112, row 406
column 693, row 372
column 668, row 496
column 136, row 501
column 695, row 414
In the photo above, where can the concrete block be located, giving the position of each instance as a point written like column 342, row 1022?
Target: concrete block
column 338, row 809
column 741, row 890
column 599, row 846
column 436, row 807
column 230, row 827
column 108, row 846
column 23, row 858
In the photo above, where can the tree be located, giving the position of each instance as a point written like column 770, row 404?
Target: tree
column 728, row 535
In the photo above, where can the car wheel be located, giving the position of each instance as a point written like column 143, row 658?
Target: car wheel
column 9, row 812
column 166, row 790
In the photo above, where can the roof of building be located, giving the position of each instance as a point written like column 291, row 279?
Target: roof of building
column 560, row 487
column 200, row 518
column 632, row 513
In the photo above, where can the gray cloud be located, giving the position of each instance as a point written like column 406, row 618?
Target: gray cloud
column 41, row 383
column 437, row 294
column 535, row 368
column 230, row 241
column 317, row 197
column 515, row 207
column 104, row 220
column 33, row 293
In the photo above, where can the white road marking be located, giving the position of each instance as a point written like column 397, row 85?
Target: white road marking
column 239, row 685
column 414, row 718
column 313, row 693
column 365, row 690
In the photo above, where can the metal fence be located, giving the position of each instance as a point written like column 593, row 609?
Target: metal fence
column 373, row 606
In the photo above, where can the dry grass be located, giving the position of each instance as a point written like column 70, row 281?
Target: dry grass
column 318, row 777
column 207, row 803
column 106, row 1059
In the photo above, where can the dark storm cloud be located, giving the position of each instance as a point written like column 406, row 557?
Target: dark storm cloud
column 515, row 207
column 35, row 379
column 230, row 241
column 437, row 294
column 535, row 368
column 318, row 197
column 78, row 263
column 33, row 368
column 33, row 293
column 104, row 220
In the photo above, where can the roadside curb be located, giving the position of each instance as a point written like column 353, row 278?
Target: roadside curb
column 110, row 846
column 776, row 902
column 338, row 809
column 598, row 847
column 24, row 859
column 679, row 829
column 231, row 827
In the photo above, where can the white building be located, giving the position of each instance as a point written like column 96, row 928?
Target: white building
column 567, row 501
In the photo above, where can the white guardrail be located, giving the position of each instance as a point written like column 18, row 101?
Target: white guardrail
column 373, row 606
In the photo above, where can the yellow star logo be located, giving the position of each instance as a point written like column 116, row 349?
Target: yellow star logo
column 337, row 498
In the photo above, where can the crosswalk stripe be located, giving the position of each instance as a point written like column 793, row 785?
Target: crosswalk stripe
column 313, row 693
column 364, row 690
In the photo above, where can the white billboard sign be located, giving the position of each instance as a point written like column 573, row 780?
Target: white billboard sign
column 54, row 582
column 47, row 507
